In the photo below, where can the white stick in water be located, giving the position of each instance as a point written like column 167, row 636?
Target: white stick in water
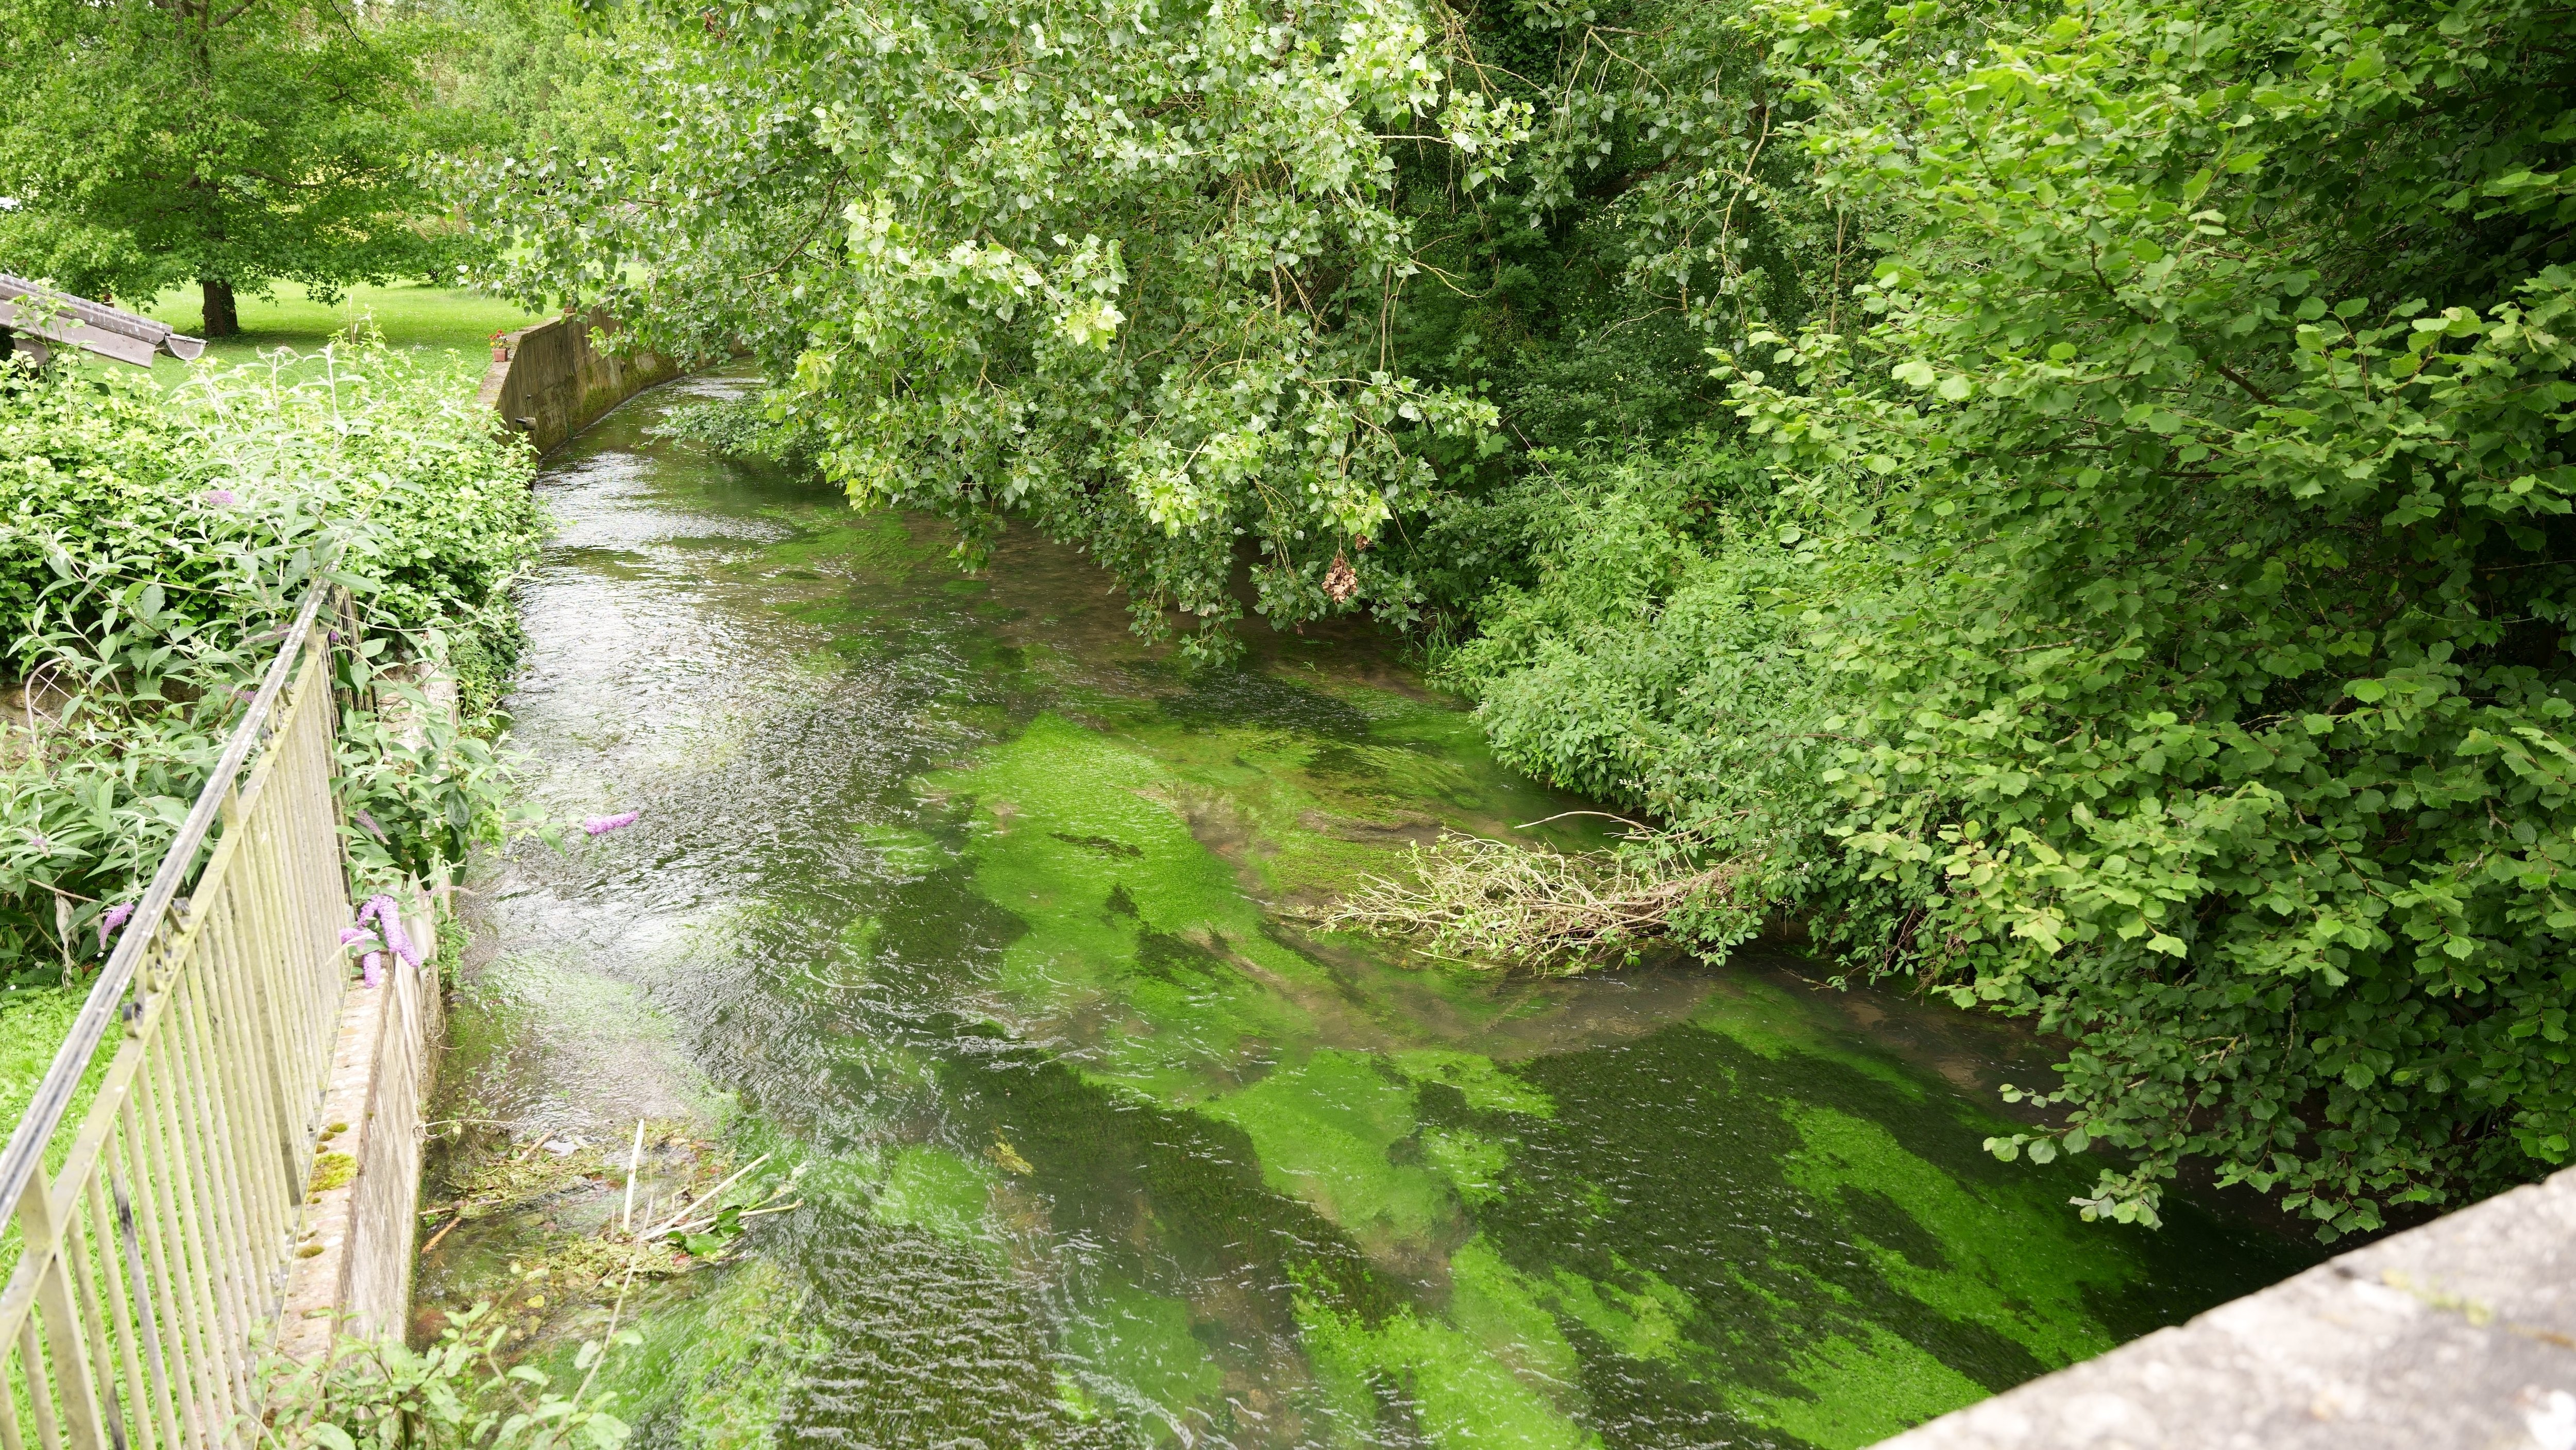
column 682, row 1216
column 632, row 1160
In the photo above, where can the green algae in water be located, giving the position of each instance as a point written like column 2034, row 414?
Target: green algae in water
column 1145, row 1345
column 995, row 937
column 714, row 1371
column 937, row 1191
column 1801, row 1278
column 1334, row 1131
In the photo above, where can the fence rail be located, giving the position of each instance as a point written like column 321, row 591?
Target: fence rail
column 156, row 1230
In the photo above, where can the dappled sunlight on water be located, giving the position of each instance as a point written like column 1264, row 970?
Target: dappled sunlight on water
column 952, row 891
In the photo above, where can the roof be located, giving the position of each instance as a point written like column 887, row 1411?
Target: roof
column 31, row 307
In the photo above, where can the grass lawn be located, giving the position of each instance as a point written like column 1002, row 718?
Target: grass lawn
column 450, row 327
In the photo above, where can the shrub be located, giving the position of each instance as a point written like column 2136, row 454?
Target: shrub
column 152, row 547
column 454, row 1395
column 1659, row 658
column 2157, row 626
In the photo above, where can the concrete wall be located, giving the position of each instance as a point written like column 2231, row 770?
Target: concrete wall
column 2461, row 1333
column 555, row 382
column 352, row 1273
column 353, row 1270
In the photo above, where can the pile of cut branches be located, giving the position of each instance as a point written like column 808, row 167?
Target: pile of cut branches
column 1491, row 902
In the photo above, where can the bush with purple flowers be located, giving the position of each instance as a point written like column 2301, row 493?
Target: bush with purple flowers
column 153, row 544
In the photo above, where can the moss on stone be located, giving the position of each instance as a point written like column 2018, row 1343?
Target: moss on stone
column 332, row 1170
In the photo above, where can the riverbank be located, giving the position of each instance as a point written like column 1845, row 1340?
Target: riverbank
column 950, row 894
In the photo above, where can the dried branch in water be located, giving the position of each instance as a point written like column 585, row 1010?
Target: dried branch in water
column 1492, row 902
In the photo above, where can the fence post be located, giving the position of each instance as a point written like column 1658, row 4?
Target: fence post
column 64, row 1344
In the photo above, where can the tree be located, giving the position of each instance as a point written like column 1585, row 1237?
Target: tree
column 1172, row 286
column 229, row 143
column 2215, row 396
column 1122, row 271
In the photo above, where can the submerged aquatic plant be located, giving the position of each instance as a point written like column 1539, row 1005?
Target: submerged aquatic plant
column 1489, row 901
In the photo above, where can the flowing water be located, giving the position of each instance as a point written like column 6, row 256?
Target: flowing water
column 950, row 891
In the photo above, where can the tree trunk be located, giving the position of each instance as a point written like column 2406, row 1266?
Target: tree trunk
column 221, row 318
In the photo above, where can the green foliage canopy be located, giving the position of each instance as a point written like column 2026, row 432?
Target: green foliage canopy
column 1125, row 272
column 2213, row 400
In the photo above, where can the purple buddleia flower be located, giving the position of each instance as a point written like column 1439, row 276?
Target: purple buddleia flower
column 43, row 843
column 388, row 919
column 115, row 918
column 350, row 935
column 369, row 822
column 602, row 825
column 222, row 498
column 372, row 969
column 400, row 940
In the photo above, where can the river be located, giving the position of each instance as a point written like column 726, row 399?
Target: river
column 984, row 916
